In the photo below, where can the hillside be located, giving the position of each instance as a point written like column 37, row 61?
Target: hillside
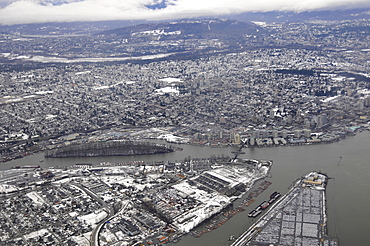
column 187, row 29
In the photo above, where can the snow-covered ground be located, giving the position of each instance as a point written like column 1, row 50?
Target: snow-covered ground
column 38, row 233
column 191, row 219
column 213, row 203
column 81, row 240
column 5, row 188
column 93, row 218
column 171, row 80
column 36, row 198
column 173, row 139
column 167, row 89
column 127, row 181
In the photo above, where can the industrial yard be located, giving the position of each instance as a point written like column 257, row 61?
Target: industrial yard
column 129, row 203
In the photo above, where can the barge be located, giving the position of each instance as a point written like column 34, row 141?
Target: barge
column 265, row 204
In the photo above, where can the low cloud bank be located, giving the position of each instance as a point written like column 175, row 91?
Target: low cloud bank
column 41, row 11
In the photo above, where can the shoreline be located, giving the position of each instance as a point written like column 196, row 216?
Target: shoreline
column 39, row 149
column 313, row 182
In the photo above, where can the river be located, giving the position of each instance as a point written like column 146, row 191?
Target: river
column 347, row 162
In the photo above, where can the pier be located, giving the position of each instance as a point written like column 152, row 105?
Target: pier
column 298, row 218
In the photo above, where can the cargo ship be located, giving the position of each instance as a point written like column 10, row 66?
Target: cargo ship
column 23, row 167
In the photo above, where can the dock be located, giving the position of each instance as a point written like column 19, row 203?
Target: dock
column 297, row 218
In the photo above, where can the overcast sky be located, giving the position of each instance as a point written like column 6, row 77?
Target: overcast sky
column 39, row 11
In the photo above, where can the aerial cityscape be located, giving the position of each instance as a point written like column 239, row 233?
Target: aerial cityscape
column 249, row 128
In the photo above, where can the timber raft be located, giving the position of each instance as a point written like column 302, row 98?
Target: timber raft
column 110, row 148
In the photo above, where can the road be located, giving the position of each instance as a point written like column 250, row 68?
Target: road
column 94, row 238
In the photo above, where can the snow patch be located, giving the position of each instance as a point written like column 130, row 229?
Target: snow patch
column 44, row 92
column 93, row 218
column 165, row 90
column 171, row 80
column 173, row 139
column 38, row 233
column 5, row 188
column 36, row 198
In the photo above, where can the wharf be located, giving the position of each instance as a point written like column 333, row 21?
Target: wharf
column 298, row 218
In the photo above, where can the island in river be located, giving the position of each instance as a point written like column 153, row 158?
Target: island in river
column 109, row 148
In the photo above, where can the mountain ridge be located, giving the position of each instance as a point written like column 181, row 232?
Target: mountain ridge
column 187, row 28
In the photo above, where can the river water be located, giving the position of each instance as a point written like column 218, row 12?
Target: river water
column 347, row 162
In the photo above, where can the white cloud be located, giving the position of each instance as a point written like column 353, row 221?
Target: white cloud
column 38, row 11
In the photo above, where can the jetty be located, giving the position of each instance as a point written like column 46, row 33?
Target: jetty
column 297, row 218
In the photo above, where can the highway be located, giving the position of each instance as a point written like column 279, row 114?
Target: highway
column 94, row 238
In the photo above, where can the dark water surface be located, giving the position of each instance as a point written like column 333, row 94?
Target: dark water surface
column 348, row 193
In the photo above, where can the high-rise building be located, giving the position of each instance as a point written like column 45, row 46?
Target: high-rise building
column 322, row 120
column 307, row 133
column 256, row 134
column 272, row 113
column 264, row 134
column 367, row 101
column 237, row 139
column 307, row 123
column 361, row 104
column 297, row 133
column 289, row 119
column 252, row 141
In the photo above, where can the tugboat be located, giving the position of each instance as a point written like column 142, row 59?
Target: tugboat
column 264, row 205
column 274, row 196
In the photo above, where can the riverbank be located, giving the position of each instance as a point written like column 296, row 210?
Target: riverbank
column 347, row 188
column 27, row 148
